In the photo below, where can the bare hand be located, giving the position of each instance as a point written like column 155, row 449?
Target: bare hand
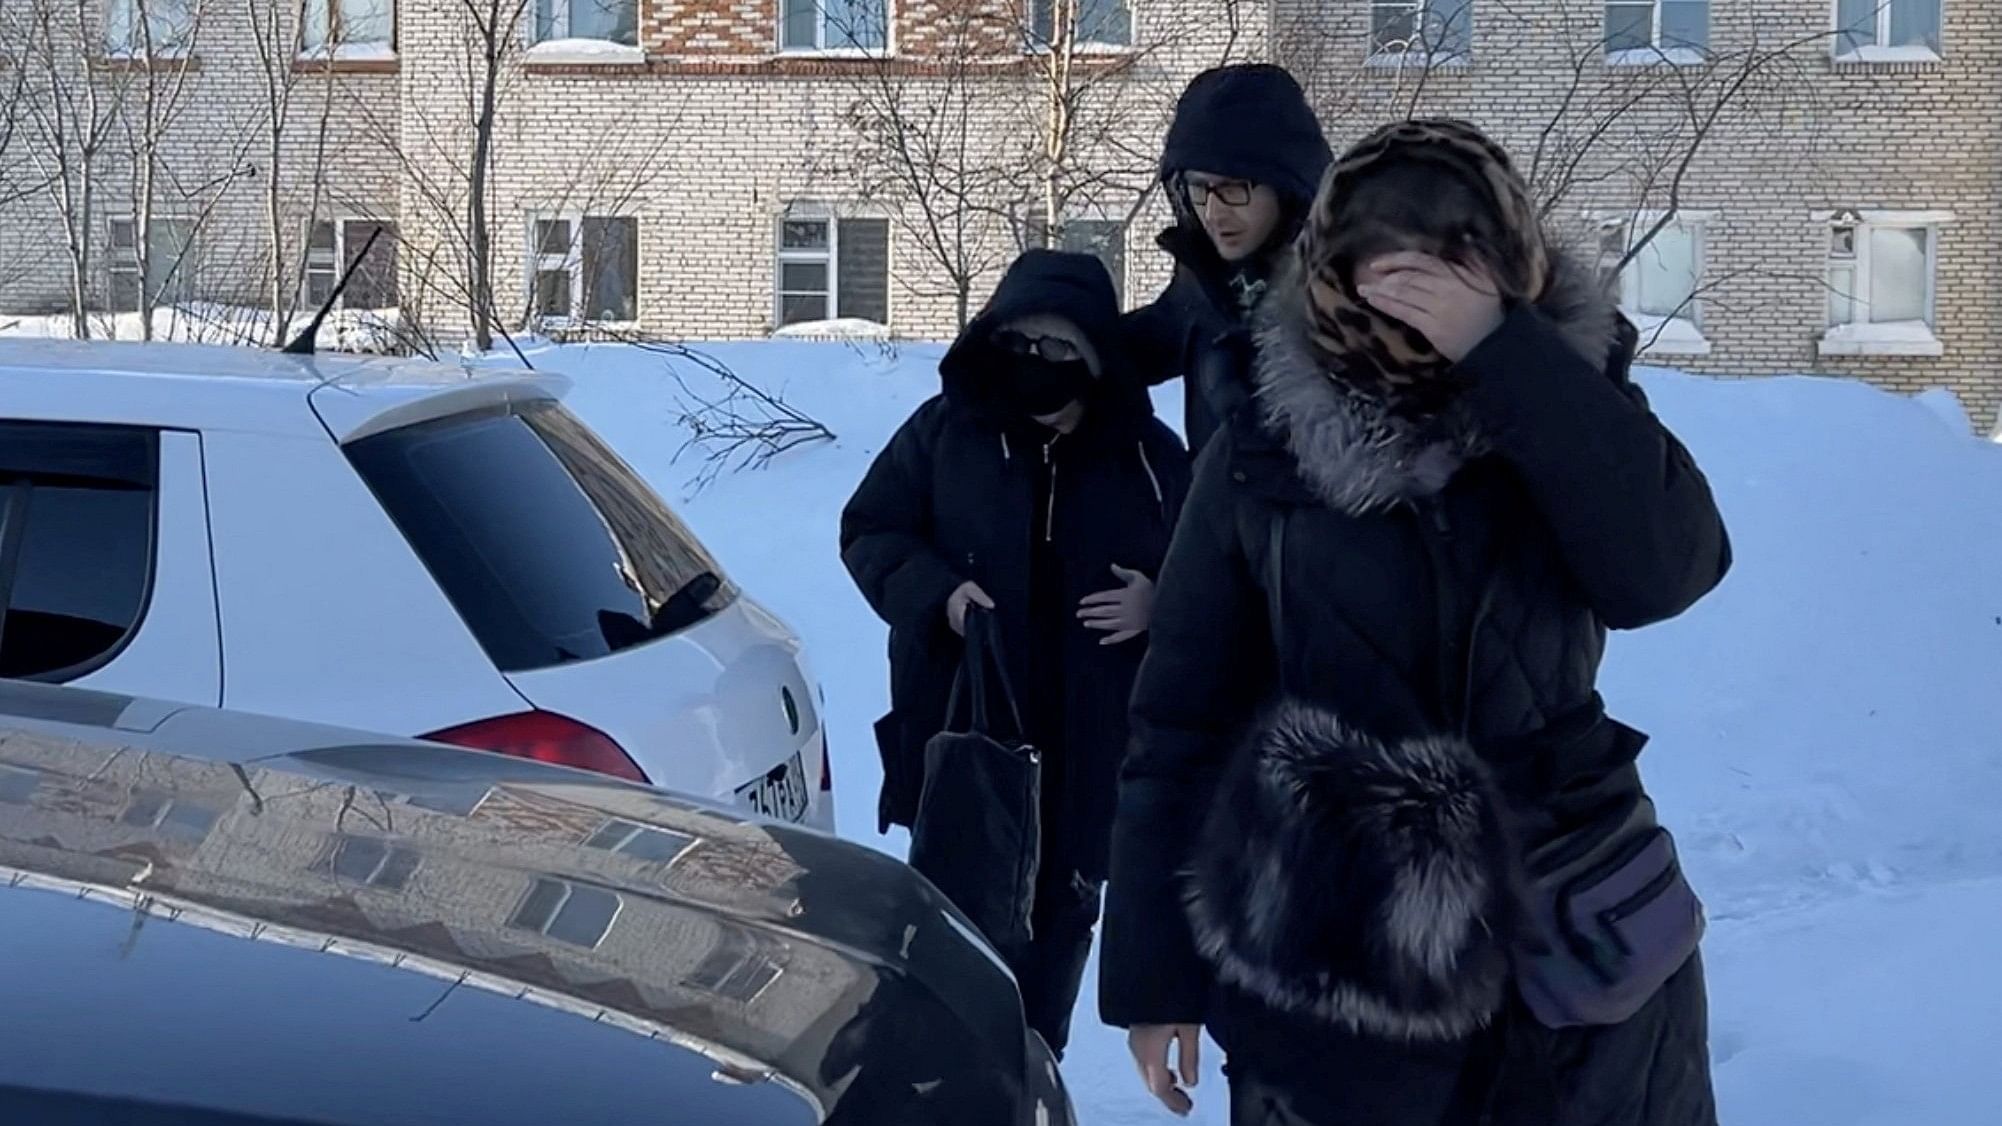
column 1124, row 613
column 967, row 596
column 1149, row 1044
column 1455, row 306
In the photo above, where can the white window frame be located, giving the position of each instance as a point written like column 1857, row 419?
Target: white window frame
column 596, row 52
column 1413, row 56
column 1895, row 338
column 1655, row 54
column 1040, row 44
column 1661, row 336
column 570, row 888
column 821, row 48
column 338, row 46
column 819, row 213
column 572, row 260
column 168, row 46
column 1878, row 52
column 618, row 835
column 344, row 842
column 340, row 259
column 114, row 264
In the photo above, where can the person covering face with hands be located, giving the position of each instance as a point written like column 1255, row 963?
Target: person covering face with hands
column 1037, row 488
column 1372, row 676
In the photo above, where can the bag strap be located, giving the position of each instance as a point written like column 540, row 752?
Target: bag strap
column 970, row 686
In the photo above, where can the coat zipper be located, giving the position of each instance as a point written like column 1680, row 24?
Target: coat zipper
column 1050, row 516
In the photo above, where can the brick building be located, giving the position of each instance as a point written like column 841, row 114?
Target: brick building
column 1824, row 175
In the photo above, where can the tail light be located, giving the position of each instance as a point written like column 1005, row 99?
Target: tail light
column 826, row 766
column 545, row 737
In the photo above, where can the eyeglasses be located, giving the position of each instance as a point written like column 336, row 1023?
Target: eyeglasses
column 1055, row 349
column 1232, row 193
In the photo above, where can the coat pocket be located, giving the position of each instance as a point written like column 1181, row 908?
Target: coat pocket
column 897, row 802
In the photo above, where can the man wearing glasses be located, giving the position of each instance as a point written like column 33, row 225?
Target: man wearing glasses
column 1242, row 161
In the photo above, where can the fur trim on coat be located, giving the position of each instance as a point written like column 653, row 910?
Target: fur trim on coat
column 1358, row 882
column 1356, row 452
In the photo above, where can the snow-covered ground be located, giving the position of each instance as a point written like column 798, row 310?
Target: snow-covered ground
column 1825, row 727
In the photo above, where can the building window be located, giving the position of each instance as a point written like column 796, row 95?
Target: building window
column 613, row 21
column 169, row 25
column 833, row 269
column 573, row 913
column 374, row 863
column 169, row 265
column 1094, row 23
column 331, row 244
column 833, row 25
column 1103, row 239
column 182, row 821
column 738, row 968
column 1422, row 29
column 1887, row 30
column 584, row 269
column 1651, row 31
column 642, row 842
column 1880, row 284
column 348, row 28
column 1659, row 288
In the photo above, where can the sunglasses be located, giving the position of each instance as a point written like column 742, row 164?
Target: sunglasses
column 1055, row 349
column 1232, row 193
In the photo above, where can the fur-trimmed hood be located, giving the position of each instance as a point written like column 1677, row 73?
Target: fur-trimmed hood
column 1362, row 883
column 1355, row 451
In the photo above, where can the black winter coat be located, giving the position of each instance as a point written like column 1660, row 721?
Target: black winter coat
column 953, row 499
column 1249, row 121
column 1454, row 583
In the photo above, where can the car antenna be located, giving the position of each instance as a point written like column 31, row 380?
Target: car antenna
column 306, row 342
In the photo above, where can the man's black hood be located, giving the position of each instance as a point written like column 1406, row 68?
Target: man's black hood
column 1250, row 121
column 1075, row 287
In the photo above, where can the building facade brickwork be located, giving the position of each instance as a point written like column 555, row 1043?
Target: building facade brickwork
column 707, row 136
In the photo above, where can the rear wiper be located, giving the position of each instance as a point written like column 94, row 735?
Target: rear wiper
column 686, row 606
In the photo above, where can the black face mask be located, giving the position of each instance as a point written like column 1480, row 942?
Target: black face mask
column 1040, row 388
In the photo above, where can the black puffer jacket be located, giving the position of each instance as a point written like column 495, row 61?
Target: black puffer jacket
column 1252, row 121
column 1456, row 586
column 953, row 499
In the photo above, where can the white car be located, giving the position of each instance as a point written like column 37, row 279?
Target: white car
column 385, row 544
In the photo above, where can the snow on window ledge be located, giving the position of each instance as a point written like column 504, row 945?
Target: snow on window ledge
column 834, row 52
column 1656, row 56
column 1419, row 60
column 584, row 52
column 1872, row 53
column 377, row 52
column 1669, row 336
column 1897, row 338
column 844, row 328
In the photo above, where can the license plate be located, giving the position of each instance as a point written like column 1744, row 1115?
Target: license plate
column 780, row 794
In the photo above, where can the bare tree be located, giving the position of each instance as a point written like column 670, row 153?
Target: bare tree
column 72, row 117
column 1009, row 121
column 277, row 34
column 163, row 35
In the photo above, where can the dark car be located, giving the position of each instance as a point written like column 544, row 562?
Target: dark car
column 211, row 918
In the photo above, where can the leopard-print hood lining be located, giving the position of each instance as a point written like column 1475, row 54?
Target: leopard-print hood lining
column 1354, row 451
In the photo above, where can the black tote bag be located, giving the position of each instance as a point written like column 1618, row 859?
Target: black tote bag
column 978, row 832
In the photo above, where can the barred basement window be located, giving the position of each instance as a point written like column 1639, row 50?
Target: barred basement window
column 831, row 269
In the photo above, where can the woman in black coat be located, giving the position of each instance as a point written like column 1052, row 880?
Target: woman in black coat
column 1040, row 487
column 1377, row 638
